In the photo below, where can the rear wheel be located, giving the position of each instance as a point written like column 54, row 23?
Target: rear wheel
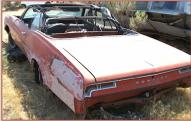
column 38, row 75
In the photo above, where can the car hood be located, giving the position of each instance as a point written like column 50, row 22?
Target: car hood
column 121, row 56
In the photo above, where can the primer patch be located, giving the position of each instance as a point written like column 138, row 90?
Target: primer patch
column 68, row 78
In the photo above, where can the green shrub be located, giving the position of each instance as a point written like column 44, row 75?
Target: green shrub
column 10, row 5
column 138, row 20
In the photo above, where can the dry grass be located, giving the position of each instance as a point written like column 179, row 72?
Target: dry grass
column 174, row 105
column 24, row 99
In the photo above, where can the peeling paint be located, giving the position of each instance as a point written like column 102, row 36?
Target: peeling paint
column 46, row 76
column 68, row 78
column 63, row 93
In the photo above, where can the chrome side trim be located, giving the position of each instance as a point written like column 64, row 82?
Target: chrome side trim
column 185, row 70
column 151, row 74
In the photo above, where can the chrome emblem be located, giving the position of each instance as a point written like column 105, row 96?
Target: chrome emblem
column 151, row 80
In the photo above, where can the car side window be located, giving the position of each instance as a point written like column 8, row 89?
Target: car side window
column 30, row 14
column 36, row 24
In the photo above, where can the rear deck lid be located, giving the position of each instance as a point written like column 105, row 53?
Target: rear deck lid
column 120, row 56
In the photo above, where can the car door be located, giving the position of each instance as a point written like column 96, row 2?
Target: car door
column 31, row 40
column 23, row 28
column 21, row 33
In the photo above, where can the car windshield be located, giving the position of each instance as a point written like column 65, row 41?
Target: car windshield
column 64, row 12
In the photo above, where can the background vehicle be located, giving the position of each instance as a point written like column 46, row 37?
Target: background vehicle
column 172, row 17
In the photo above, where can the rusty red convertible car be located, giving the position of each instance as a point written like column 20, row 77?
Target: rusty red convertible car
column 84, row 56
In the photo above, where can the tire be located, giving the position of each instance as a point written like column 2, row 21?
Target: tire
column 11, row 43
column 14, row 54
column 38, row 75
column 11, row 58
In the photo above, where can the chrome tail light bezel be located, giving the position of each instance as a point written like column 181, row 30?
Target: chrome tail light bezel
column 98, row 87
column 184, row 70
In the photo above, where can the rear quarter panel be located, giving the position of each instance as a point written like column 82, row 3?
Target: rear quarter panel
column 59, row 74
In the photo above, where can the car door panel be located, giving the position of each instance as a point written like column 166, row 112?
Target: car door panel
column 22, row 33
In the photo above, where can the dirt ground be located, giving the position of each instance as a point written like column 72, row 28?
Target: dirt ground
column 24, row 99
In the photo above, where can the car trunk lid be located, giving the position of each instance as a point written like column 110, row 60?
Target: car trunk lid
column 121, row 56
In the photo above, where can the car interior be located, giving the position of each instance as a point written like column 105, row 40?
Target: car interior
column 57, row 22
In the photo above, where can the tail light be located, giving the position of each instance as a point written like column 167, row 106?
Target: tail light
column 185, row 70
column 97, row 87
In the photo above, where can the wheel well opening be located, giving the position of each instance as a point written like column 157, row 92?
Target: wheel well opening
column 33, row 63
column 37, row 71
column 7, row 29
